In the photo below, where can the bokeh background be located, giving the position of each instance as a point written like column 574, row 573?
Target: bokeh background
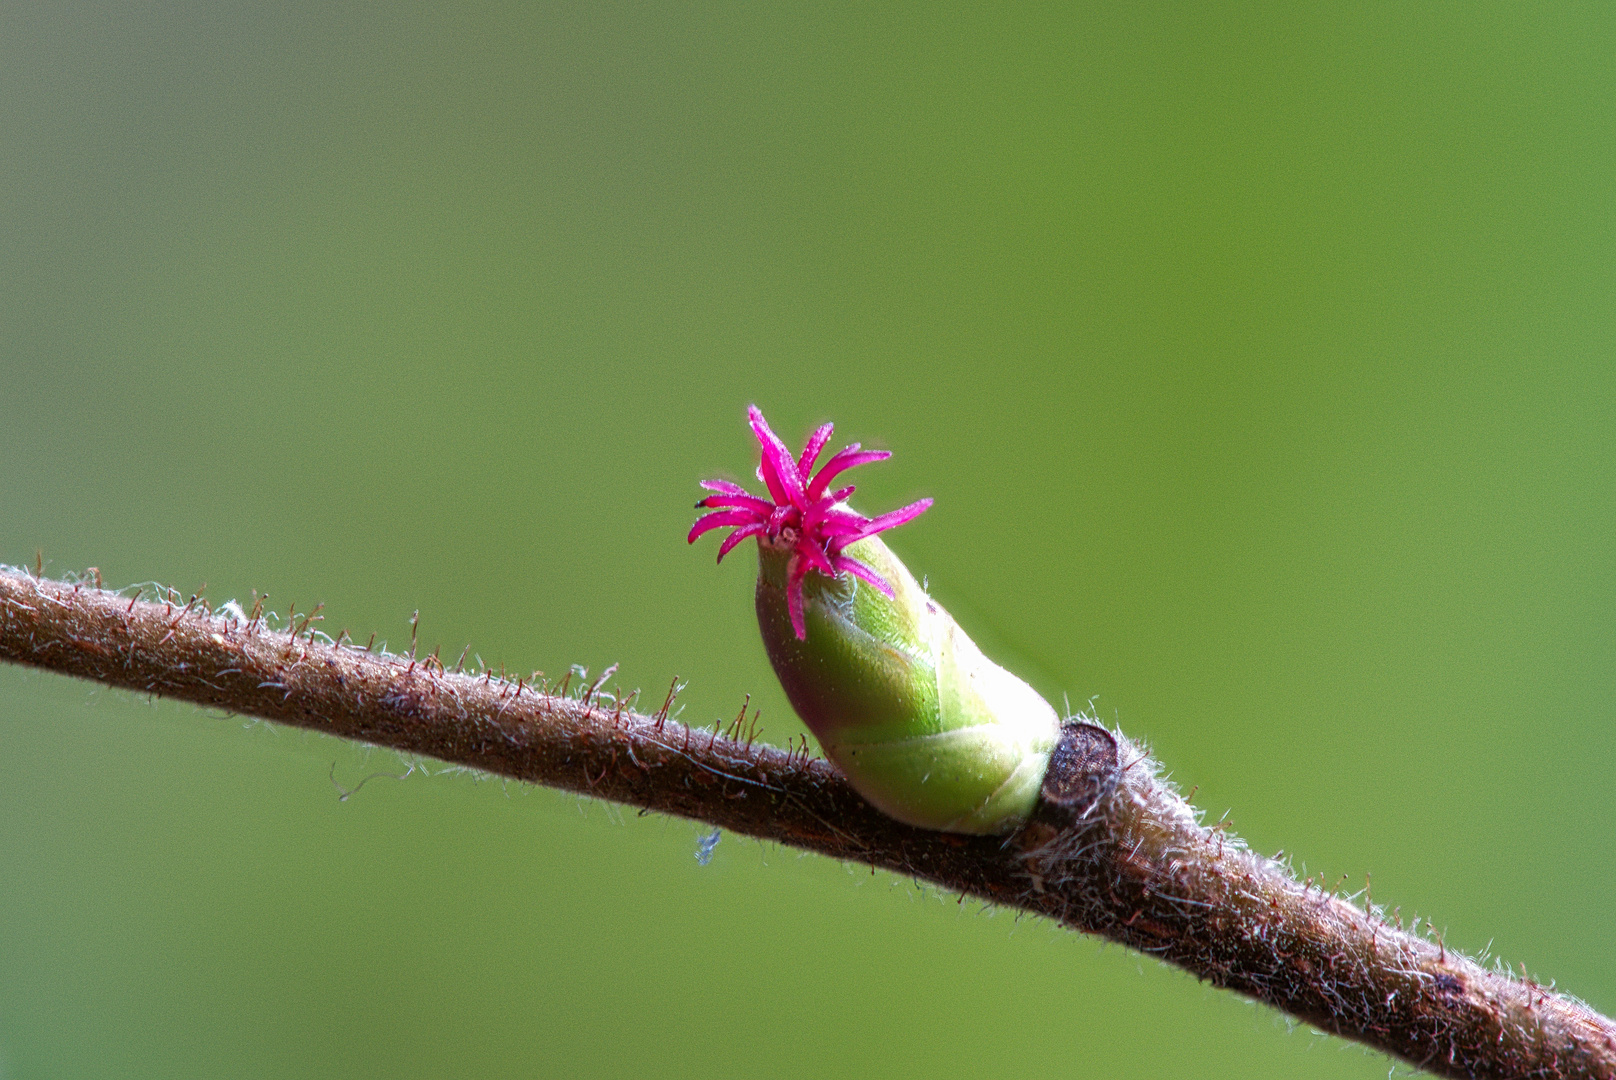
column 1261, row 366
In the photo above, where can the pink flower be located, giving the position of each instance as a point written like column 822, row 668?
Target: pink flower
column 805, row 519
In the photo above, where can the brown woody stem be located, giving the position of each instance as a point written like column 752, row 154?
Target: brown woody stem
column 1114, row 850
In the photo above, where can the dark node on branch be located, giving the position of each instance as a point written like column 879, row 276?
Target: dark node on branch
column 1082, row 771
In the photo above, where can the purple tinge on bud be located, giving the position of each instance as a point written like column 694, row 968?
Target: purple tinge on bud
column 804, row 518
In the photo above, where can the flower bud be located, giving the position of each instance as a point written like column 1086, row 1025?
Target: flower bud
column 923, row 725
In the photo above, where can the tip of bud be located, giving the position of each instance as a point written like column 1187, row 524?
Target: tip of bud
column 801, row 515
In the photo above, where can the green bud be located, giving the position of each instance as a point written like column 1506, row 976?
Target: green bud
column 923, row 725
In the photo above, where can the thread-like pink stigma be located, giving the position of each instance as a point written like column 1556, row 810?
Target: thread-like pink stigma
column 801, row 515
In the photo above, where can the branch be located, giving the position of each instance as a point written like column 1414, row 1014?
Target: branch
column 1113, row 849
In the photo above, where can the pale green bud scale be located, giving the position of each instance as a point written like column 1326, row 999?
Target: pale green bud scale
column 924, row 726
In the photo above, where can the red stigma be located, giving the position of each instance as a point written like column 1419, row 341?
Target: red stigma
column 801, row 515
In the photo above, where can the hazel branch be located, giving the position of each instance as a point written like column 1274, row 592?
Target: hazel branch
column 1113, row 849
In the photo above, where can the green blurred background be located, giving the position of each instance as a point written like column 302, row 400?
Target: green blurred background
column 1261, row 367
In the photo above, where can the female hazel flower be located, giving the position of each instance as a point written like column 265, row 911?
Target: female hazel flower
column 922, row 724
